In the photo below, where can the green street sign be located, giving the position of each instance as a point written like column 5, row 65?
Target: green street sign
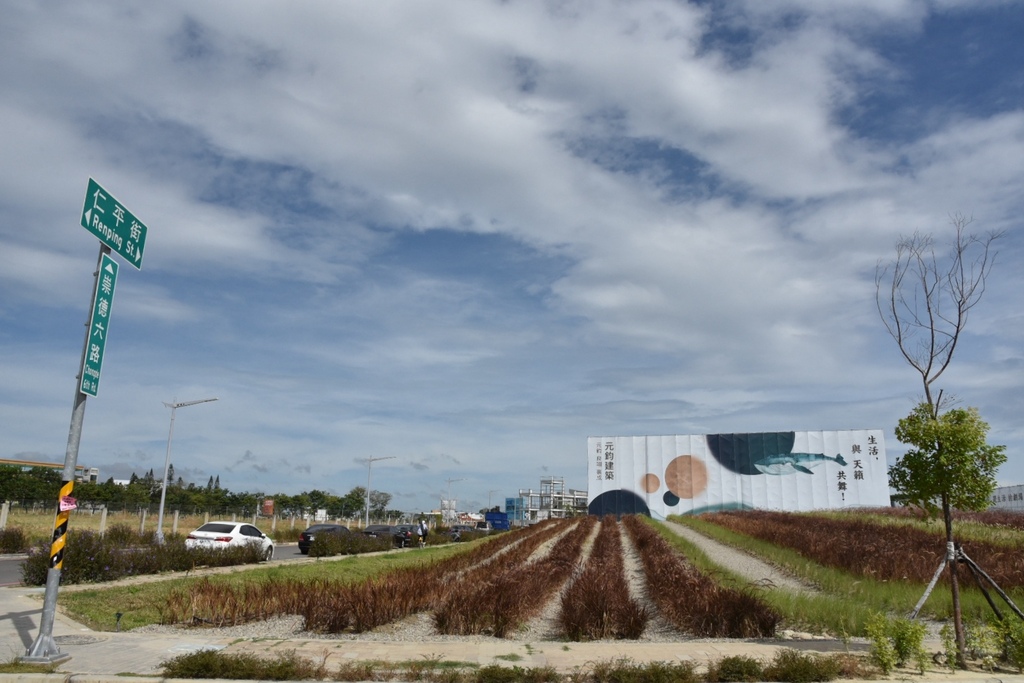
column 99, row 325
column 116, row 227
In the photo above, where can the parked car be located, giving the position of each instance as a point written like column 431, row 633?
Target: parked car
column 307, row 536
column 230, row 534
column 385, row 531
column 407, row 535
column 457, row 530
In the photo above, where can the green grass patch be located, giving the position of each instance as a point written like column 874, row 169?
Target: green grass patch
column 846, row 602
column 140, row 603
column 13, row 666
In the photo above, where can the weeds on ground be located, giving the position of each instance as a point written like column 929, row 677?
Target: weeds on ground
column 1012, row 631
column 989, row 644
column 788, row 666
column 895, row 642
column 15, row 666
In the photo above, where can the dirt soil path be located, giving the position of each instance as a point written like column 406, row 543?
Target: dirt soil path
column 755, row 570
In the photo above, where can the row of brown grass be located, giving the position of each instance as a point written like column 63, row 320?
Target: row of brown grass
column 499, row 602
column 866, row 548
column 332, row 606
column 597, row 603
column 692, row 601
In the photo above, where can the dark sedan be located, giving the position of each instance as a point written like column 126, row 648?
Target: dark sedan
column 398, row 535
column 307, row 536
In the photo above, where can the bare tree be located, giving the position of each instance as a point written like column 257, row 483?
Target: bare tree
column 924, row 303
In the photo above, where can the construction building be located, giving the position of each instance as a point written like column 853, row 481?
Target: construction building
column 552, row 501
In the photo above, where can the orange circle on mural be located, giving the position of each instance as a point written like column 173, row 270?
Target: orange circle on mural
column 650, row 483
column 686, row 476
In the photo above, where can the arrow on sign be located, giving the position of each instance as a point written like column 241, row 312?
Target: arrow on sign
column 113, row 224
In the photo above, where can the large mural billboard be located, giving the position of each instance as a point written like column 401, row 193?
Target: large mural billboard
column 794, row 471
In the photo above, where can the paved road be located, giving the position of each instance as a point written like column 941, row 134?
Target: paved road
column 10, row 569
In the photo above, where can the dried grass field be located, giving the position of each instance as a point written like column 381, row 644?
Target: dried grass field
column 589, row 579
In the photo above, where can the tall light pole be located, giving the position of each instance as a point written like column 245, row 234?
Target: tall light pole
column 167, row 462
column 489, row 498
column 369, row 465
column 450, row 506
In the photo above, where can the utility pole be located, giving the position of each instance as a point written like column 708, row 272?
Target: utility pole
column 369, row 465
column 174, row 405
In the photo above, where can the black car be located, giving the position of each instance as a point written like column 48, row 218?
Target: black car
column 410, row 533
column 399, row 536
column 307, row 536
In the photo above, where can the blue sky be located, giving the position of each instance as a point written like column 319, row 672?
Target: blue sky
column 469, row 235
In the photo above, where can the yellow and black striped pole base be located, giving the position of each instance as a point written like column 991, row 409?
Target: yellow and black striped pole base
column 60, row 527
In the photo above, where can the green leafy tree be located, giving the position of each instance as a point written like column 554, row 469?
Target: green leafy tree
column 924, row 301
column 379, row 502
column 355, row 500
column 950, row 464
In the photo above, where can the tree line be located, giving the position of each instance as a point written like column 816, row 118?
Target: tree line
column 41, row 486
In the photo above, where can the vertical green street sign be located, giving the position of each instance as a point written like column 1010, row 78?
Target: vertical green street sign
column 116, row 227
column 99, row 325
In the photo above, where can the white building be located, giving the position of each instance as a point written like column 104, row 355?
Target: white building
column 1008, row 498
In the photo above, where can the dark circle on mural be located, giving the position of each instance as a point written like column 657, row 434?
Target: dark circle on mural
column 686, row 476
column 738, row 452
column 670, row 499
column 618, row 502
column 650, row 483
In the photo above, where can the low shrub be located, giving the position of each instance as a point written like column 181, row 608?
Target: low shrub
column 793, row 666
column 1012, row 632
column 286, row 666
column 13, row 540
column 895, row 642
column 627, row 671
column 735, row 669
column 329, row 545
column 494, row 673
column 90, row 557
column 121, row 534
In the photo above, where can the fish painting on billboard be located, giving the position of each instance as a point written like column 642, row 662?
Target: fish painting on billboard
column 792, row 463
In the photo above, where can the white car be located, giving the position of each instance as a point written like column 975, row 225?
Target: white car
column 228, row 534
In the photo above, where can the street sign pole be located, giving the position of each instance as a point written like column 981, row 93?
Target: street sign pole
column 44, row 650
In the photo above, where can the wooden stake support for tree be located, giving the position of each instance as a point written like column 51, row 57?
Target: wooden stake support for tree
column 957, row 554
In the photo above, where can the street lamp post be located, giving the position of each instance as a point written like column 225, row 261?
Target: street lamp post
column 369, row 465
column 167, row 462
column 489, row 498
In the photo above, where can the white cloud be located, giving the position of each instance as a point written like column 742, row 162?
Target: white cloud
column 686, row 224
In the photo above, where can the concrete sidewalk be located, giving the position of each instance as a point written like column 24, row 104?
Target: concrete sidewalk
column 103, row 657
